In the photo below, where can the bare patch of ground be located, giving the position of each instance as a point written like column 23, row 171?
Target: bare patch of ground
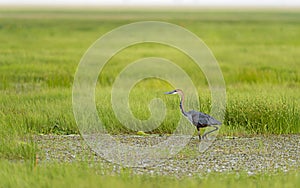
column 247, row 154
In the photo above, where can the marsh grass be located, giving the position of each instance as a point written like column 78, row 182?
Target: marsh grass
column 257, row 51
column 85, row 175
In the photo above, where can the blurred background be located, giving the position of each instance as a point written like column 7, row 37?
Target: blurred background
column 272, row 3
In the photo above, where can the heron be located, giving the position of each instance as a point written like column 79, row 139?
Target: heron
column 198, row 119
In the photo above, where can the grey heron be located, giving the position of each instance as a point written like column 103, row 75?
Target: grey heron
column 199, row 119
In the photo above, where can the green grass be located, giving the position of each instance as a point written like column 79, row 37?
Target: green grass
column 258, row 52
column 84, row 175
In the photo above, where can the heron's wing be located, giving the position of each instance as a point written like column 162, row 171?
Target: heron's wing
column 203, row 119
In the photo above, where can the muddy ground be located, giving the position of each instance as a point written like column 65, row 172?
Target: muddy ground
column 241, row 154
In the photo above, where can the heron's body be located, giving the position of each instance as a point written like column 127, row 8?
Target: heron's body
column 199, row 119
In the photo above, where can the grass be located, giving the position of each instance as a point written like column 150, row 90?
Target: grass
column 84, row 175
column 258, row 52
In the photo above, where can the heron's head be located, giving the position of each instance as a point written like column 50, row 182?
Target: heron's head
column 173, row 92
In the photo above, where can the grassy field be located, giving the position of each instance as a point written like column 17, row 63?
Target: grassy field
column 258, row 52
column 83, row 175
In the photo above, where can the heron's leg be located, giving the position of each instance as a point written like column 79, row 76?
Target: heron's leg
column 198, row 128
column 205, row 134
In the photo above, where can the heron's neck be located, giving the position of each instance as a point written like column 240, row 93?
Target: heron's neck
column 181, row 104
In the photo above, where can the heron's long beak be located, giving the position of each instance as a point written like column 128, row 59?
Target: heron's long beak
column 171, row 92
